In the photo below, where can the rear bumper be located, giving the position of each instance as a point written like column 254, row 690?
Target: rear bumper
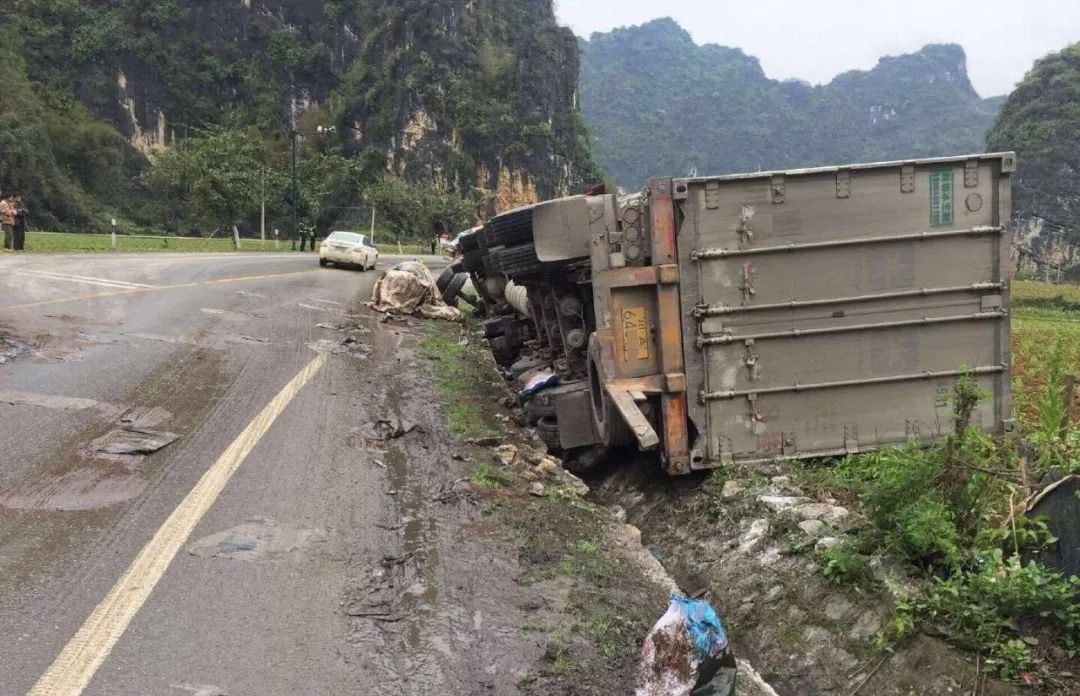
column 343, row 257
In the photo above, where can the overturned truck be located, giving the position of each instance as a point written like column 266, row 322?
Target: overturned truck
column 753, row 317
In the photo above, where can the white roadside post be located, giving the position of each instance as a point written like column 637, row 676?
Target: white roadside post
column 114, row 234
column 277, row 244
column 236, row 238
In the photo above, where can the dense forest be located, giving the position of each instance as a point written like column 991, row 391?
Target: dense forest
column 1041, row 122
column 656, row 103
column 470, row 104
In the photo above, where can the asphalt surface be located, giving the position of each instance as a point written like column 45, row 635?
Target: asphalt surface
column 314, row 520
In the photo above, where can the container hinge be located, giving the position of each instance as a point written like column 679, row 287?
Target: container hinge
column 747, row 284
column 745, row 227
column 851, row 439
column 787, row 444
column 907, row 178
column 751, row 360
column 843, row 184
column 712, row 195
column 971, row 173
column 776, row 188
column 911, row 429
column 753, row 412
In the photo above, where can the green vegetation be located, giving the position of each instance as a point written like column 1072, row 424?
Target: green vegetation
column 175, row 115
column 489, row 477
column 656, row 104
column 948, row 514
column 461, row 380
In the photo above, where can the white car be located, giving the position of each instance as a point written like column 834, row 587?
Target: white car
column 348, row 249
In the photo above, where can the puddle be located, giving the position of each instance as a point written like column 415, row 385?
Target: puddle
column 81, row 489
column 257, row 539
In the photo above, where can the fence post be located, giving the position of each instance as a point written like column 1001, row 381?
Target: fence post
column 114, row 234
column 236, row 238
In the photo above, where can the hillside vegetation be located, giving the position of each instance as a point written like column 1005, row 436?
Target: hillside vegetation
column 474, row 98
column 1041, row 122
column 658, row 104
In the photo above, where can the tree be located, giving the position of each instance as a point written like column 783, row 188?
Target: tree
column 415, row 211
column 216, row 179
column 328, row 183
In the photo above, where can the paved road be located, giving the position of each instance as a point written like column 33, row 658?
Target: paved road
column 227, row 561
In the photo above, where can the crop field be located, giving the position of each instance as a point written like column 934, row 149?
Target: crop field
column 1046, row 327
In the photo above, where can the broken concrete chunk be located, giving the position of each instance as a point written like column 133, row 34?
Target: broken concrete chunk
column 506, row 454
column 731, row 489
column 753, row 536
column 827, row 543
column 812, row 528
column 820, row 511
column 780, row 502
column 132, row 440
column 536, row 488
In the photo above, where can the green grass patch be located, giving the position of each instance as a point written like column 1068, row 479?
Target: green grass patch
column 71, row 242
column 462, row 380
column 489, row 477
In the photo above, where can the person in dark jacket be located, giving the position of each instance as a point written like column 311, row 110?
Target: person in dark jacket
column 19, row 240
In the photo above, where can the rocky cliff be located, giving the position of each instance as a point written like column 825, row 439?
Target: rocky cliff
column 657, row 103
column 474, row 96
column 1041, row 122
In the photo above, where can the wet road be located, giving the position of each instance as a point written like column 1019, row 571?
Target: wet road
column 297, row 516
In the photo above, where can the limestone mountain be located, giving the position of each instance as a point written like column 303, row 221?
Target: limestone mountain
column 657, row 103
column 478, row 97
column 1041, row 122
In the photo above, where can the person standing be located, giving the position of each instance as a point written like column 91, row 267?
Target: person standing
column 7, row 220
column 19, row 241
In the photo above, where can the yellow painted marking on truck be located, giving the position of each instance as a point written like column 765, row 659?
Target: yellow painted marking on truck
column 153, row 288
column 635, row 333
column 80, row 659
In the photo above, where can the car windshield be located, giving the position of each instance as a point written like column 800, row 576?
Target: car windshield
column 346, row 238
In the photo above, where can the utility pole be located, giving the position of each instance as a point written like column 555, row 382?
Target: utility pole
column 262, row 208
column 293, row 133
column 372, row 227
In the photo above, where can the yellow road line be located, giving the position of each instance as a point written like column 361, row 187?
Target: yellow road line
column 80, row 659
column 152, row 288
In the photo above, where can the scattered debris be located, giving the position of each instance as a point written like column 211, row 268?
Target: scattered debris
column 201, row 689
column 687, row 650
column 324, row 325
column 506, row 454
column 409, row 288
column 256, row 539
column 490, row 441
column 539, row 382
column 392, row 427
column 131, row 440
column 536, row 488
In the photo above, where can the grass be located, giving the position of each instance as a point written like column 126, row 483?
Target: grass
column 489, row 477
column 49, row 242
column 461, row 380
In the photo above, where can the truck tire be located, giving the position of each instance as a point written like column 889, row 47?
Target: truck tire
column 444, row 278
column 548, row 430
column 491, row 265
column 610, row 427
column 450, row 294
column 519, row 260
column 509, row 229
column 472, row 261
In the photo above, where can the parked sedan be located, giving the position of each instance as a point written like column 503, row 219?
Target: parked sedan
column 348, row 249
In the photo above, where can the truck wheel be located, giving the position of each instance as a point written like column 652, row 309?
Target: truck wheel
column 519, row 260
column 322, row 262
column 444, row 278
column 450, row 294
column 509, row 229
column 548, row 430
column 472, row 261
column 611, row 429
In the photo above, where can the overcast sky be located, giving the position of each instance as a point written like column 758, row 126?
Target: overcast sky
column 815, row 40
